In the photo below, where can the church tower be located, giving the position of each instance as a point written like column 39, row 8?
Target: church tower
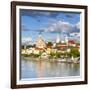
column 58, row 38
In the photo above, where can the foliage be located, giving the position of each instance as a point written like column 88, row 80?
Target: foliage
column 75, row 52
column 54, row 55
column 49, row 44
column 58, row 54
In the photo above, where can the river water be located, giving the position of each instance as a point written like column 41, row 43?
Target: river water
column 41, row 69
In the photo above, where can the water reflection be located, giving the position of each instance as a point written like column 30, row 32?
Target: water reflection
column 40, row 69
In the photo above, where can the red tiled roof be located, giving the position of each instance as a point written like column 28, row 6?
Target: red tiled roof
column 71, row 42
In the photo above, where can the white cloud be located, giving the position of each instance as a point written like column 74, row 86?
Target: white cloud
column 64, row 26
column 61, row 26
column 75, row 34
column 26, row 40
column 78, row 25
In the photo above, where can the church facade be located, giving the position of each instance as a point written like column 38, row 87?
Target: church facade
column 40, row 42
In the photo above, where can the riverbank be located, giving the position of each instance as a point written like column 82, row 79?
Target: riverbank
column 60, row 60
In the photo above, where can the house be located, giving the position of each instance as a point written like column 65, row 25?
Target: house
column 72, row 43
column 62, row 46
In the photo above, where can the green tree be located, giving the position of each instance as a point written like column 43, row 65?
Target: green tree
column 49, row 44
column 75, row 52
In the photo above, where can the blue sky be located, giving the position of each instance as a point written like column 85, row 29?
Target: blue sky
column 48, row 23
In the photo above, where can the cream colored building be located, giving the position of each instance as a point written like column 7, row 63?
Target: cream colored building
column 40, row 43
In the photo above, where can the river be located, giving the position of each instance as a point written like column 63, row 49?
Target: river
column 44, row 69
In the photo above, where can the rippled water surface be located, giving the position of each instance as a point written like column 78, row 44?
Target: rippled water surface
column 41, row 69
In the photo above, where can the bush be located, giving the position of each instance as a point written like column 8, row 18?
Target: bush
column 36, row 55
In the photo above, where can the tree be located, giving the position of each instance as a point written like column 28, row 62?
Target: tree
column 49, row 44
column 75, row 52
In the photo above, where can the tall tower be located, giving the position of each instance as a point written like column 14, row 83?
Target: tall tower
column 57, row 38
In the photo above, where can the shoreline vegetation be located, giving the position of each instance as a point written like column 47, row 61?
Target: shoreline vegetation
column 69, row 55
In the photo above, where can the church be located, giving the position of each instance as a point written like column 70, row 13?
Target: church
column 40, row 42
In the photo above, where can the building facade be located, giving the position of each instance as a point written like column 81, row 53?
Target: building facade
column 40, row 42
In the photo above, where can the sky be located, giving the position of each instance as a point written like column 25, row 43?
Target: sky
column 49, row 24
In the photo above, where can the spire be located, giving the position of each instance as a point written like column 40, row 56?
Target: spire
column 57, row 39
